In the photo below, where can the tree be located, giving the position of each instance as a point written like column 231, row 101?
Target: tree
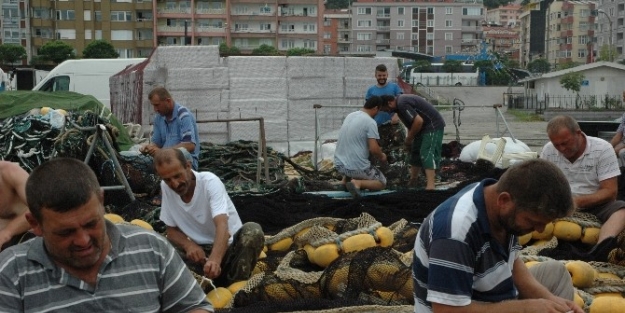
column 57, row 51
column 539, row 66
column 265, row 49
column 607, row 53
column 573, row 81
column 99, row 49
column 423, row 66
column 452, row 66
column 338, row 4
column 10, row 53
column 299, row 51
column 567, row 64
column 224, row 50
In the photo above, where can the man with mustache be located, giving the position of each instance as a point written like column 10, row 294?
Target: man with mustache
column 203, row 223
column 383, row 87
column 466, row 254
column 80, row 262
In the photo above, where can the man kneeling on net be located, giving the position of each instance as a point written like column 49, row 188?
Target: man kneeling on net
column 203, row 223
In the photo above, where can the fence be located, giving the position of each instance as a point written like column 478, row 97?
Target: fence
column 563, row 102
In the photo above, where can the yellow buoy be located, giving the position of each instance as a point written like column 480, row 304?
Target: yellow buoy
column 114, row 218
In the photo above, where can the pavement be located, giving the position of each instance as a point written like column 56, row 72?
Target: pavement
column 476, row 121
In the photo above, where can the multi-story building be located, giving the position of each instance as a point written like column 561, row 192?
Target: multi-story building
column 127, row 25
column 435, row 28
column 505, row 15
column 337, row 31
column 503, row 40
column 611, row 22
column 246, row 24
column 570, row 32
column 533, row 26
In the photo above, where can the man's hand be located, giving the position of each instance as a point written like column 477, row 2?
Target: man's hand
column 212, row 269
column 408, row 143
column 149, row 149
column 383, row 158
column 195, row 253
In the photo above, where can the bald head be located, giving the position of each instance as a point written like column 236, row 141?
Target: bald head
column 169, row 156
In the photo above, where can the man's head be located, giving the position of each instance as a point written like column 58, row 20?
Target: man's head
column 161, row 100
column 566, row 136
column 389, row 103
column 67, row 211
column 531, row 194
column 381, row 74
column 175, row 170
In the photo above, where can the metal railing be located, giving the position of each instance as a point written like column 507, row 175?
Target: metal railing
column 563, row 102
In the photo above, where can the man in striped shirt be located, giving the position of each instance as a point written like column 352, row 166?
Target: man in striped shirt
column 591, row 168
column 466, row 254
column 82, row 263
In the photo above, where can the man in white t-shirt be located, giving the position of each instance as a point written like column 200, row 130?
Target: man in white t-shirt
column 591, row 168
column 202, row 222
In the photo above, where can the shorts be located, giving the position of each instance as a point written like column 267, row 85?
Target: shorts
column 371, row 173
column 426, row 150
column 603, row 212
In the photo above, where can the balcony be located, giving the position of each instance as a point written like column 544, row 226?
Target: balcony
column 253, row 31
column 383, row 28
column 471, row 29
column 210, row 29
column 382, row 41
column 210, row 11
column 383, row 15
column 344, row 40
column 163, row 10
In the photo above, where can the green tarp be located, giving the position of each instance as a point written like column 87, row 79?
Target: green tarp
column 14, row 103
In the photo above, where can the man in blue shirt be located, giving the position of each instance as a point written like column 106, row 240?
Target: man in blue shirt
column 174, row 127
column 383, row 87
column 466, row 254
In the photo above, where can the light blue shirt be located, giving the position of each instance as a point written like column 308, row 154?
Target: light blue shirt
column 181, row 128
column 389, row 89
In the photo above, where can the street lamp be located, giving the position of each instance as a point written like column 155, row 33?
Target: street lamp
column 610, row 41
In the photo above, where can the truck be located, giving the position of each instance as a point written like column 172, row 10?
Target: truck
column 85, row 76
column 438, row 77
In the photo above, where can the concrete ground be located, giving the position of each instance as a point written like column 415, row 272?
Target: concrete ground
column 474, row 122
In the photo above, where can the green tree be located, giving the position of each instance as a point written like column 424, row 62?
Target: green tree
column 224, row 50
column 572, row 81
column 265, row 49
column 100, row 49
column 452, row 66
column 299, row 51
column 338, row 4
column 423, row 66
column 11, row 53
column 607, row 53
column 57, row 51
column 567, row 64
column 539, row 66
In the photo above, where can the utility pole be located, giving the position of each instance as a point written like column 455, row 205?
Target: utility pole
column 610, row 56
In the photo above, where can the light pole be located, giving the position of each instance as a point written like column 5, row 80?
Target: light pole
column 610, row 41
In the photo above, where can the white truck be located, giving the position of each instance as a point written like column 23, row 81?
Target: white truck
column 85, row 76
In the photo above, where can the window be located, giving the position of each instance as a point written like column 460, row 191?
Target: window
column 449, row 36
column 327, row 49
column 287, row 44
column 97, row 16
column 42, row 13
column 327, row 35
column 415, row 23
column 583, row 26
column 400, row 36
column 87, row 15
column 121, row 16
column 569, row 40
column 310, row 27
column 65, row 15
column 311, row 44
column 448, row 49
column 98, row 34
column 448, row 23
column 241, row 26
column 400, row 23
column 583, row 40
column 415, row 36
column 363, row 48
column 265, row 9
column 584, row 12
column 88, row 34
column 400, row 11
column 429, row 36
column 430, row 10
column 66, row 34
column 326, row 22
column 430, row 23
column 581, row 53
column 363, row 36
column 449, row 10
column 365, row 23
column 121, row 35
column 265, row 26
column 364, row 11
column 472, row 11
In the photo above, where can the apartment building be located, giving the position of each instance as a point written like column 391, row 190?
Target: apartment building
column 126, row 24
column 570, row 32
column 337, row 31
column 611, row 22
column 505, row 15
column 435, row 28
column 246, row 24
column 502, row 39
column 533, row 30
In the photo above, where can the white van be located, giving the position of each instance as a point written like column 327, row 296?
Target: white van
column 85, row 76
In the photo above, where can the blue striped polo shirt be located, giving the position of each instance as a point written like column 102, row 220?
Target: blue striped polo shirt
column 456, row 260
column 142, row 273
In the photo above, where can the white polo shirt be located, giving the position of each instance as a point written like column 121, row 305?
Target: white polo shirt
column 597, row 163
